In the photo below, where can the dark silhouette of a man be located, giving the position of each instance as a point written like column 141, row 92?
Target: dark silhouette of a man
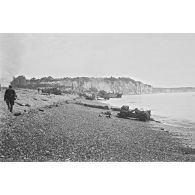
column 10, row 97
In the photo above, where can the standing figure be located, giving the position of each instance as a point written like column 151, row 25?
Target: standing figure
column 39, row 90
column 10, row 97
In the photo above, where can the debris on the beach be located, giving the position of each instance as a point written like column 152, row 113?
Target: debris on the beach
column 97, row 106
column 41, row 110
column 28, row 105
column 135, row 113
column 35, row 98
column 115, row 108
column 124, row 112
column 162, row 129
column 125, row 108
column 44, row 100
column 107, row 113
column 17, row 113
column 19, row 104
column 99, row 115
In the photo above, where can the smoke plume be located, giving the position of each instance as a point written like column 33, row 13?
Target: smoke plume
column 10, row 56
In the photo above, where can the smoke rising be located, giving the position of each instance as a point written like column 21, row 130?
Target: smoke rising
column 10, row 56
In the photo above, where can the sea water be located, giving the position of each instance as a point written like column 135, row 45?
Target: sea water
column 176, row 109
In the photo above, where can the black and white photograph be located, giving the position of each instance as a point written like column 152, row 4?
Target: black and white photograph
column 97, row 97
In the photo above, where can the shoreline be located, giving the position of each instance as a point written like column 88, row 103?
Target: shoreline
column 185, row 126
column 66, row 131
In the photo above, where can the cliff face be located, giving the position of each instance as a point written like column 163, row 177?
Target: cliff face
column 81, row 84
column 116, row 85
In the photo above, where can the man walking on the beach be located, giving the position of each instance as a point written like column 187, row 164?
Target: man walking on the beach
column 10, row 97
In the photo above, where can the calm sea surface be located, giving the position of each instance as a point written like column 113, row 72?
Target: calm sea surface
column 176, row 109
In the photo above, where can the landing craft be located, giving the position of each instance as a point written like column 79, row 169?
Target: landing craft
column 115, row 95
column 106, row 95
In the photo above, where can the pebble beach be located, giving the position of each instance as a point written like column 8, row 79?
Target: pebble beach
column 57, row 128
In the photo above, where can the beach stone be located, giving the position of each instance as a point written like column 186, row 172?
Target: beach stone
column 28, row 105
column 41, row 110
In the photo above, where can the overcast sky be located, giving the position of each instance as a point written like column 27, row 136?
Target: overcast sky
column 164, row 60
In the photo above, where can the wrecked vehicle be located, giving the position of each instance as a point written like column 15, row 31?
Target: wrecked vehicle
column 107, row 95
column 87, row 96
column 135, row 114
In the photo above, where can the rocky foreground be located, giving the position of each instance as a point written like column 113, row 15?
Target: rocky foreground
column 54, row 128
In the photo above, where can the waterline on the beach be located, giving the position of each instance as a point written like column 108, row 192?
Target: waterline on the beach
column 175, row 109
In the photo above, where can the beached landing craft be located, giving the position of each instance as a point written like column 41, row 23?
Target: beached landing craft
column 107, row 96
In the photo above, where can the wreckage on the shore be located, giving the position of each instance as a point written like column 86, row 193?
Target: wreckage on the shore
column 141, row 115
